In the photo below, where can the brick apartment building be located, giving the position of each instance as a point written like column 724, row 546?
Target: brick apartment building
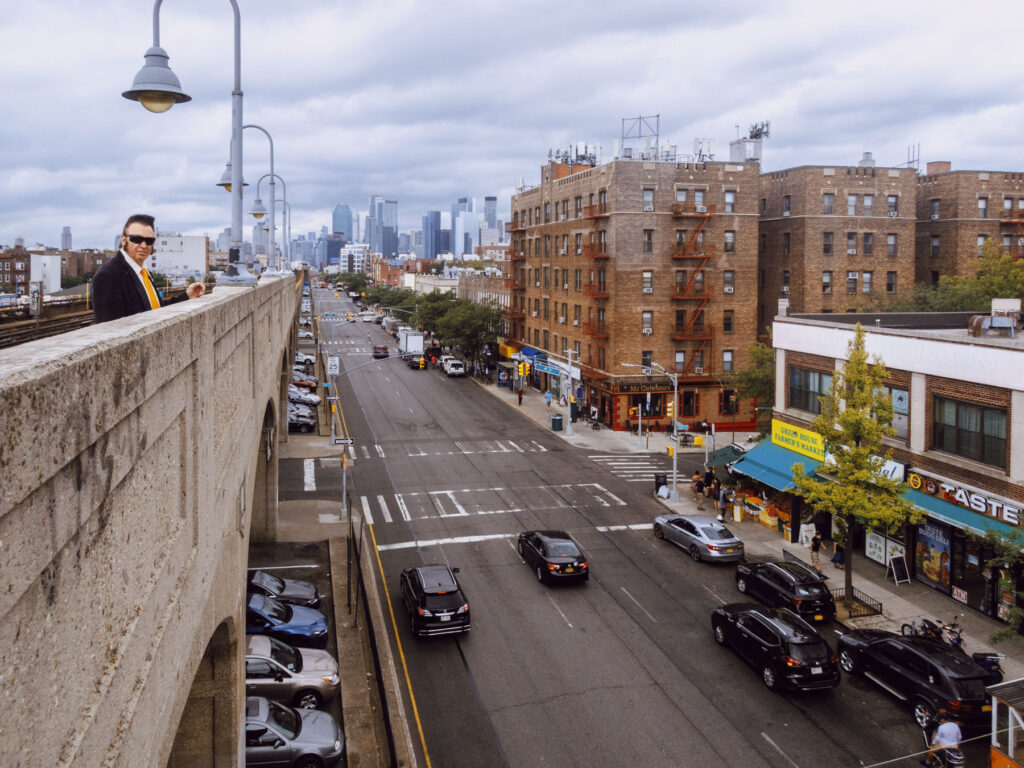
column 638, row 262
column 15, row 268
column 957, row 211
column 830, row 236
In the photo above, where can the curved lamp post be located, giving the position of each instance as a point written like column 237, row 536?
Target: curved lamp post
column 158, row 89
column 273, row 266
column 258, row 210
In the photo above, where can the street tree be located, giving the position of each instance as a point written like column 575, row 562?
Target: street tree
column 757, row 383
column 431, row 308
column 856, row 414
column 468, row 326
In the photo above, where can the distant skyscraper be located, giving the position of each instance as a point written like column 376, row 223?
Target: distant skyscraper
column 341, row 221
column 491, row 211
column 65, row 239
column 404, row 241
column 431, row 234
column 466, row 232
column 388, row 215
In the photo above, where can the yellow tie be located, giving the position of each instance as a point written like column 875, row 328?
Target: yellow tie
column 154, row 302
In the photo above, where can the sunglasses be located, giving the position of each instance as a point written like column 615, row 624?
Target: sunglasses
column 139, row 239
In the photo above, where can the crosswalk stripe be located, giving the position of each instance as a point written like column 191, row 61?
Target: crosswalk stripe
column 402, row 508
column 384, row 509
column 366, row 510
column 309, row 474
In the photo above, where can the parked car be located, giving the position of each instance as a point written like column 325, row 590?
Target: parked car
column 553, row 555
column 286, row 590
column 443, row 360
column 301, row 410
column 292, row 623
column 304, row 334
column 379, row 319
column 417, row 361
column 435, row 601
column 786, row 584
column 455, row 368
column 303, row 380
column 703, row 537
column 301, row 358
column 301, row 423
column 296, row 395
column 380, row 350
column 927, row 674
column 302, row 677
column 276, row 735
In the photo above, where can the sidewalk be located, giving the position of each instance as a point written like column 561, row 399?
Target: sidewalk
column 901, row 604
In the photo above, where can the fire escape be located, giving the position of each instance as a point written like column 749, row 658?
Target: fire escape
column 516, row 281
column 1014, row 217
column 597, row 289
column 695, row 292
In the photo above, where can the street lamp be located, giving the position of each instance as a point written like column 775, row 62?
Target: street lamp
column 157, row 88
column 272, row 261
column 674, row 494
column 258, row 210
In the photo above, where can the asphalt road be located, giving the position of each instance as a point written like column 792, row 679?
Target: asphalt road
column 619, row 671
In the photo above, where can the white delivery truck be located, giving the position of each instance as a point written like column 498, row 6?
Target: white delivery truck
column 410, row 342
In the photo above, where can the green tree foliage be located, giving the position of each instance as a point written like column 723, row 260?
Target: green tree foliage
column 431, row 307
column 1008, row 554
column 757, row 383
column 855, row 415
column 468, row 326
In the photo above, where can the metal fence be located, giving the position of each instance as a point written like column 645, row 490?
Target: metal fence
column 863, row 605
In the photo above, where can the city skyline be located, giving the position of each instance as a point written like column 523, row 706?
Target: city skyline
column 424, row 104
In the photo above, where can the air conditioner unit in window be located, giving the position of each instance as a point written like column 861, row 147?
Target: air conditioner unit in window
column 728, row 289
column 785, row 213
column 698, row 369
column 648, row 208
column 648, row 290
column 893, row 214
column 535, row 313
column 575, row 322
column 785, row 289
column 935, row 217
column 851, row 251
column 561, row 320
column 701, row 208
column 647, row 331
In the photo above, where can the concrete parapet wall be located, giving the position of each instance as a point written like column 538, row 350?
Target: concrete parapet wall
column 127, row 466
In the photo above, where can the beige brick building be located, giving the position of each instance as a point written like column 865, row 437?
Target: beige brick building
column 639, row 262
column 957, row 211
column 831, row 236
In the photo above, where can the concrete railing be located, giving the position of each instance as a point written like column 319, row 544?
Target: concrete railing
column 137, row 456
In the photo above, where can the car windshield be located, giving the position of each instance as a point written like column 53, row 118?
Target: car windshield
column 970, row 687
column 285, row 719
column 285, row 655
column 810, row 653
column 562, row 549
column 812, row 591
column 275, row 611
column 268, row 582
column 449, row 601
column 716, row 533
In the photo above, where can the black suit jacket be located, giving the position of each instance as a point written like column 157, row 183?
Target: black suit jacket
column 117, row 292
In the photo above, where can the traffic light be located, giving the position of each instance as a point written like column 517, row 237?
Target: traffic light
column 521, row 370
column 670, row 408
column 423, row 363
column 526, row 367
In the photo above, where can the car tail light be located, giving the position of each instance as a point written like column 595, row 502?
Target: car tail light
column 791, row 662
column 955, row 705
column 584, row 565
column 552, row 567
column 424, row 612
column 797, row 601
column 463, row 608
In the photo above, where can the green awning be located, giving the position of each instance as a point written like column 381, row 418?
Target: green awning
column 773, row 465
column 955, row 515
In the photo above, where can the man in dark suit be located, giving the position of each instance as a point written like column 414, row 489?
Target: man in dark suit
column 122, row 286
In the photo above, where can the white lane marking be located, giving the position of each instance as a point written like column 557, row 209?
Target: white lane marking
column 768, row 738
column 515, row 446
column 380, row 450
column 440, row 542
column 633, row 527
column 384, row 509
column 717, row 596
column 402, row 508
column 352, row 451
column 460, row 511
column 564, row 617
column 638, row 605
column 366, row 510
column 539, row 447
column 309, row 474
column 411, row 410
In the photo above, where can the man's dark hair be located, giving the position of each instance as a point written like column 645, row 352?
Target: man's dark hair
column 139, row 218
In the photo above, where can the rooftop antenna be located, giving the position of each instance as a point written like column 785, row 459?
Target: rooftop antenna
column 639, row 134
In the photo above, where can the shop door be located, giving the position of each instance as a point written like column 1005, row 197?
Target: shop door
column 969, row 570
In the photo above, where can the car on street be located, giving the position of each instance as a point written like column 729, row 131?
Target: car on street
column 286, row 590
column 788, row 584
column 926, row 674
column 787, row 651
column 298, row 422
column 301, row 410
column 455, row 368
column 302, row 358
column 296, row 395
column 302, row 677
column 443, row 360
column 294, row 624
column 277, row 735
column 554, row 556
column 703, row 537
column 417, row 361
column 304, row 334
column 380, row 350
column 434, row 600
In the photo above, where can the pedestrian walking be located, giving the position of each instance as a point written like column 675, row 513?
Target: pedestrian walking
column 816, row 549
column 547, row 399
column 838, row 555
column 520, row 394
column 723, row 502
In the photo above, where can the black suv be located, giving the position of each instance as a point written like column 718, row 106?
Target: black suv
column 379, row 351
column 435, row 601
column 788, row 585
column 787, row 650
column 927, row 674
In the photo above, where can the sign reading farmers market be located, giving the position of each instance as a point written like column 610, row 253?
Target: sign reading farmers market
column 803, row 441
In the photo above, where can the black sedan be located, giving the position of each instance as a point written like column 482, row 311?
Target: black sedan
column 285, row 590
column 926, row 674
column 787, row 650
column 553, row 555
column 787, row 584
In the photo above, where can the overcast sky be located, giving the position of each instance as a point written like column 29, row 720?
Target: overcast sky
column 424, row 102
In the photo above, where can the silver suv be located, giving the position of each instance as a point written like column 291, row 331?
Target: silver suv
column 303, row 677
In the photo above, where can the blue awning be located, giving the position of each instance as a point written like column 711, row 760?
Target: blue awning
column 773, row 465
column 957, row 516
column 529, row 352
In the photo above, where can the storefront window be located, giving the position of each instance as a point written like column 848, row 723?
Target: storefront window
column 900, row 410
column 931, row 555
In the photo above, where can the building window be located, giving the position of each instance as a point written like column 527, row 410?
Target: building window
column 869, row 205
column 851, row 283
column 806, row 386
column 934, row 208
column 785, row 205
column 981, row 242
column 698, row 197
column 647, row 320
column 728, row 321
column 893, row 204
column 680, row 361
column 579, row 207
column 680, row 280
column 565, row 245
column 575, row 314
column 764, row 243
column 764, row 205
column 890, row 244
column 828, row 203
column 890, row 282
column 698, row 319
column 971, row 431
column 851, row 243
column 577, row 279
column 730, row 202
column 726, row 361
column 868, row 244
column 866, row 279
column 785, row 281
column 698, row 361
column 935, row 246
column 727, row 404
column 729, row 280
column 547, row 246
column 982, row 207
column 547, row 310
column 648, row 281
column 785, row 243
column 851, row 205
column 547, row 213
column 648, row 200
column 826, row 243
column 698, row 282
column 680, row 319
column 826, row 281
column 680, row 195
column 730, row 241
column 648, row 241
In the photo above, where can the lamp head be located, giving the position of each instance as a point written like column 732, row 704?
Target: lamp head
column 156, row 86
column 225, row 178
column 258, row 210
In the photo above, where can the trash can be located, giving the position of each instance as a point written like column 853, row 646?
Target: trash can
column 660, row 480
column 556, row 422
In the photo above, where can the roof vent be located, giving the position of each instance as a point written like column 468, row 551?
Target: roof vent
column 867, row 161
column 1005, row 314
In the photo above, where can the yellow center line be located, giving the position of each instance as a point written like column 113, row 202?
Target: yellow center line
column 401, row 654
